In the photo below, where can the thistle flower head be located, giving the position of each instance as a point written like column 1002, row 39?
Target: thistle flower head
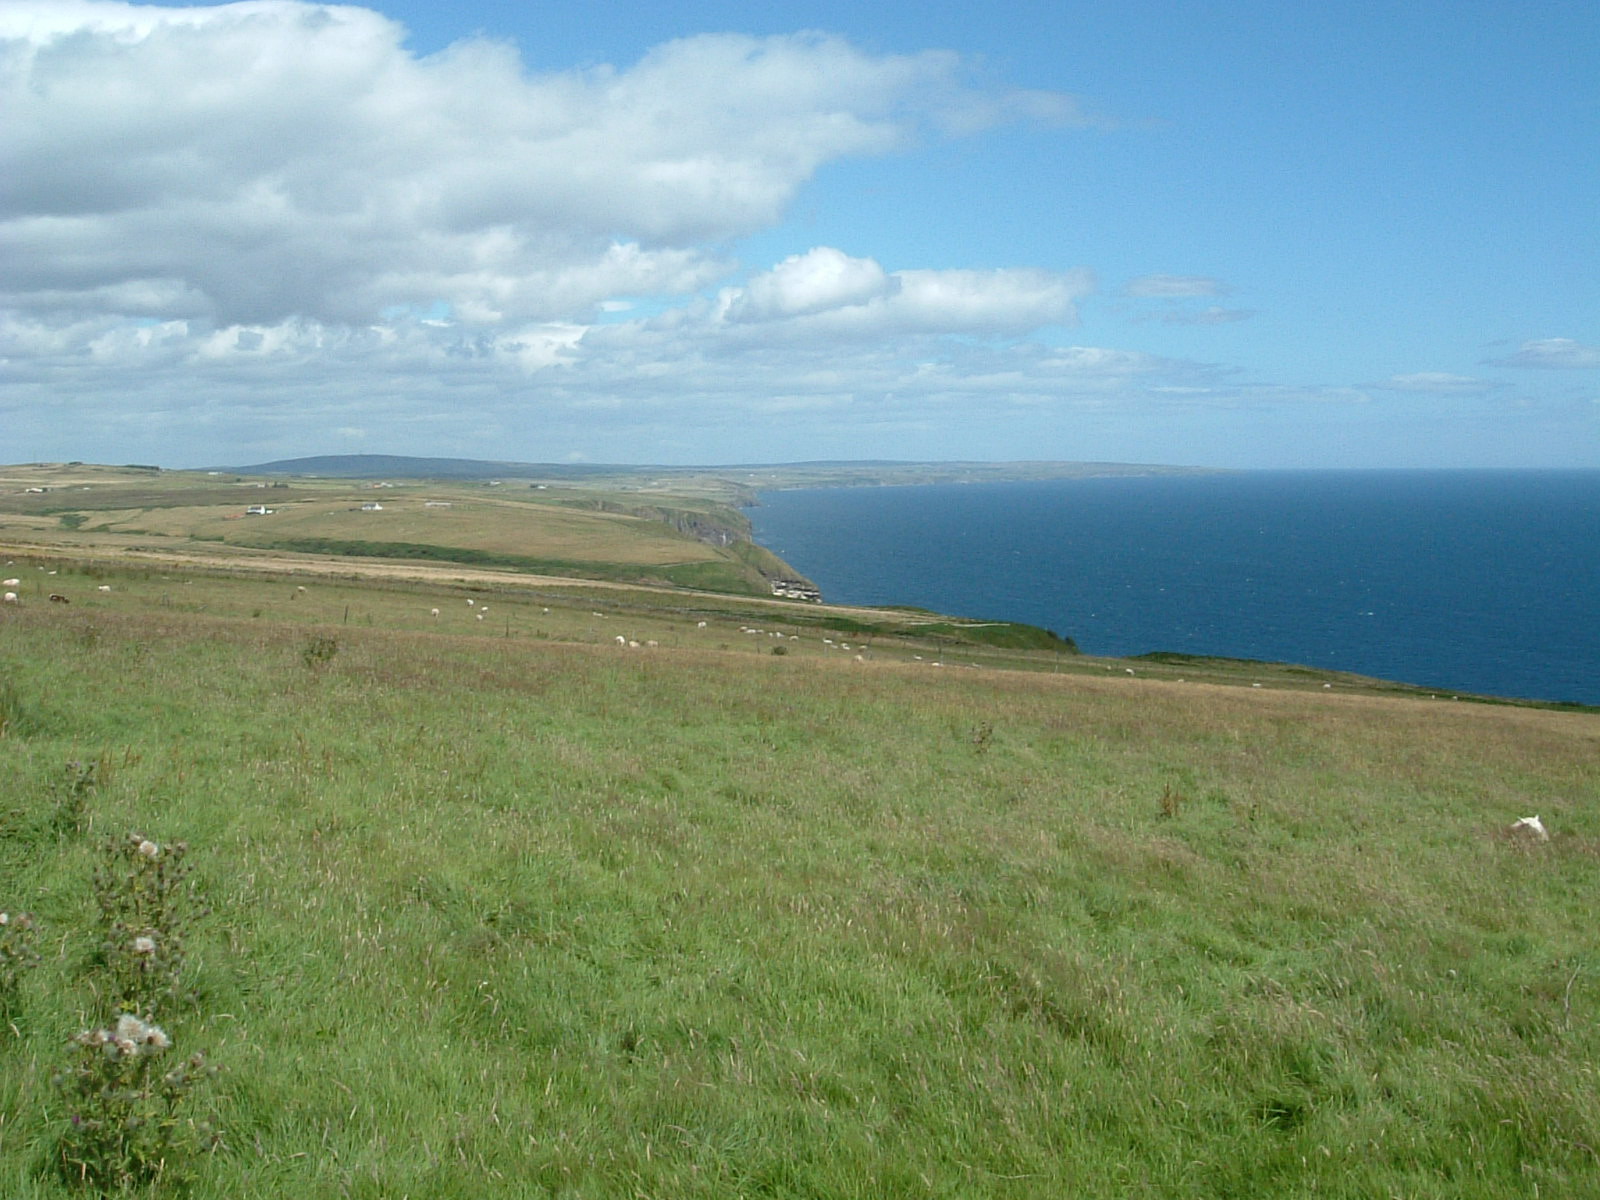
column 144, row 945
column 148, row 848
column 130, row 1028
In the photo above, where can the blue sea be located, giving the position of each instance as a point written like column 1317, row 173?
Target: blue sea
column 1473, row 581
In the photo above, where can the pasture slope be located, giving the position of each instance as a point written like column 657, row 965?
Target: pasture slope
column 485, row 903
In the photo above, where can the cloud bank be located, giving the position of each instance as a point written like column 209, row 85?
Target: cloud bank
column 266, row 228
column 264, row 160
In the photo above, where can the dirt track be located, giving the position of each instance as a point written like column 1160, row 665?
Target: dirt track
column 244, row 559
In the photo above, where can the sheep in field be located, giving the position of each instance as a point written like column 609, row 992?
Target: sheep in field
column 11, row 598
column 58, row 598
column 1531, row 827
column 433, row 612
column 104, row 587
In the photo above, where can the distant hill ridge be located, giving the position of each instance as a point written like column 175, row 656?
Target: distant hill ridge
column 380, row 466
column 374, row 466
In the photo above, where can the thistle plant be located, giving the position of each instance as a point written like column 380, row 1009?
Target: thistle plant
column 126, row 1125
column 142, row 890
column 80, row 781
column 17, row 957
column 319, row 652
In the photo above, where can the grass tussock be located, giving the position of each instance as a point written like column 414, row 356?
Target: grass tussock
column 466, row 915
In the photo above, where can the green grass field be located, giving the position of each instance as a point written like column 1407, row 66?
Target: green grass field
column 500, row 908
column 593, row 531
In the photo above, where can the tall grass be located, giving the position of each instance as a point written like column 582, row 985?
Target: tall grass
column 496, row 917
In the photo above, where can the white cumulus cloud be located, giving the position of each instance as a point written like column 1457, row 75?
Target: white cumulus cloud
column 249, row 162
column 826, row 293
column 1552, row 352
column 820, row 279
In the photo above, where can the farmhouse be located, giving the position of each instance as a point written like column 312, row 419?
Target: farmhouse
column 794, row 589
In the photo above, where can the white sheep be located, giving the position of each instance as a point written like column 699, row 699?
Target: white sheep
column 621, row 641
column 104, row 587
column 11, row 582
column 1531, row 826
column 11, row 598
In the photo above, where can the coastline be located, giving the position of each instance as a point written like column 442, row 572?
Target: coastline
column 1324, row 568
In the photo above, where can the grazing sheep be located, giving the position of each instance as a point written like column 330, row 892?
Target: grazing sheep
column 701, row 625
column 632, row 645
column 621, row 641
column 11, row 598
column 433, row 612
column 104, row 587
column 471, row 603
column 652, row 643
column 1531, row 827
column 57, row 598
column 480, row 616
column 10, row 583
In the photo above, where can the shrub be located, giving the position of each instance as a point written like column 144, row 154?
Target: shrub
column 125, row 1125
column 17, row 957
column 141, row 888
column 71, row 812
column 319, row 652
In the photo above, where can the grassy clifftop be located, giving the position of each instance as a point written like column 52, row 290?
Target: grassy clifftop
column 485, row 903
column 577, row 531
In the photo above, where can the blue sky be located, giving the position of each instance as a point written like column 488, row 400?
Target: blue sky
column 1230, row 234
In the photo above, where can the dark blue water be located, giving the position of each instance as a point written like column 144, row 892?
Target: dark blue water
column 1480, row 581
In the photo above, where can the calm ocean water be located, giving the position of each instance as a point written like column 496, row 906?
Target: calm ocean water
column 1480, row 581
